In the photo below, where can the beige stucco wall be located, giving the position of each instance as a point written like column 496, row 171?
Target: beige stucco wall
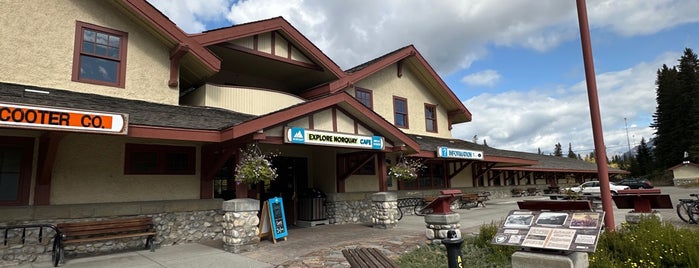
column 90, row 169
column 385, row 84
column 255, row 101
column 687, row 171
column 463, row 178
column 39, row 37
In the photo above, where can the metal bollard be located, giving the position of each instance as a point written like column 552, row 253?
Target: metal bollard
column 453, row 245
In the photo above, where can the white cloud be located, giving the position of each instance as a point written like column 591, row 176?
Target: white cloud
column 191, row 16
column 487, row 78
column 451, row 34
column 527, row 121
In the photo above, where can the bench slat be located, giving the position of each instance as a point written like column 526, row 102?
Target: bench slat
column 367, row 258
column 104, row 222
column 101, row 238
column 74, row 233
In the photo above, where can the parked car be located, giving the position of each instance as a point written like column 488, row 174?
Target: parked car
column 593, row 187
column 635, row 183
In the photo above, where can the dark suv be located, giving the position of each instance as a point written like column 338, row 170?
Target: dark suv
column 636, row 183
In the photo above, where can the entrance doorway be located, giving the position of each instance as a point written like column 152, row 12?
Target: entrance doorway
column 292, row 177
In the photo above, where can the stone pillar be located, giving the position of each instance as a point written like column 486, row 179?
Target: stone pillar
column 522, row 259
column 240, row 225
column 384, row 210
column 439, row 224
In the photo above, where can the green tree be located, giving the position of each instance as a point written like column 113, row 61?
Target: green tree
column 557, row 151
column 644, row 158
column 571, row 154
column 676, row 120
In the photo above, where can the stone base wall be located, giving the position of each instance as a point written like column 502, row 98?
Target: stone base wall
column 346, row 208
column 684, row 181
column 203, row 222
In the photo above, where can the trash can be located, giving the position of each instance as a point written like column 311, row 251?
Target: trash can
column 312, row 205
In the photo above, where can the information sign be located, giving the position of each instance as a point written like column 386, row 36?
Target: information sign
column 555, row 230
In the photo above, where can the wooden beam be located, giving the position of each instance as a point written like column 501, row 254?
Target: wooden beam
column 48, row 147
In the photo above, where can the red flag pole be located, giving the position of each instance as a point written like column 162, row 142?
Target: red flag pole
column 600, row 150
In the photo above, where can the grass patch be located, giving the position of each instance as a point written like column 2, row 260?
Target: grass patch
column 650, row 243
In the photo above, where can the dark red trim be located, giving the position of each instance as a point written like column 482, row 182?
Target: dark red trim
column 255, row 39
column 48, row 147
column 138, row 131
column 434, row 112
column 342, row 99
column 162, row 152
column 77, row 52
column 383, row 180
column 26, row 146
column 399, row 68
column 311, row 122
column 384, row 62
column 270, row 56
column 162, row 24
column 334, row 118
column 407, row 113
column 367, row 92
column 175, row 55
column 273, row 41
column 276, row 24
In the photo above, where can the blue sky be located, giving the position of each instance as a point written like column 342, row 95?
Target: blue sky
column 516, row 64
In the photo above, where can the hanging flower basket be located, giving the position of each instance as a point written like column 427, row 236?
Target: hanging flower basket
column 405, row 170
column 255, row 166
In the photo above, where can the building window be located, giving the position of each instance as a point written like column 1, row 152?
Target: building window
column 16, row 155
column 400, row 112
column 364, row 96
column 430, row 118
column 99, row 56
column 159, row 159
column 430, row 177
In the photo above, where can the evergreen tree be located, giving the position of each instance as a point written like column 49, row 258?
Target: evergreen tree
column 676, row 120
column 557, row 151
column 644, row 159
column 571, row 154
column 538, row 150
column 485, row 143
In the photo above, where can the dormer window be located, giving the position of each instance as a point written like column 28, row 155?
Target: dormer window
column 99, row 55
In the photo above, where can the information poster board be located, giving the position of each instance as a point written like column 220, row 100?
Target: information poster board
column 555, row 230
column 277, row 217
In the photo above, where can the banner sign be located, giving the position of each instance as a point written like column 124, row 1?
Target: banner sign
column 305, row 136
column 556, row 230
column 446, row 152
column 21, row 116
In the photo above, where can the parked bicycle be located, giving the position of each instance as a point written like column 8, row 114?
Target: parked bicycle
column 688, row 209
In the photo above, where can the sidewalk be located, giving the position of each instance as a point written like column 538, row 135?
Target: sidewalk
column 319, row 246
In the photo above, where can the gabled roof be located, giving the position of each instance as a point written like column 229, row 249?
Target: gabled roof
column 409, row 54
column 154, row 18
column 226, row 34
column 683, row 165
column 343, row 101
column 549, row 163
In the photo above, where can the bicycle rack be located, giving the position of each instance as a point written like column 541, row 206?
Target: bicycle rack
column 24, row 231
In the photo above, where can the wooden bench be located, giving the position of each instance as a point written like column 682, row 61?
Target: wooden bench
column 367, row 258
column 92, row 231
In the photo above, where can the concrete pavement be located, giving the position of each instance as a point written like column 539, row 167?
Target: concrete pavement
column 319, row 246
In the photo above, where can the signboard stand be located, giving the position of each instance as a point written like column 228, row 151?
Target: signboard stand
column 273, row 222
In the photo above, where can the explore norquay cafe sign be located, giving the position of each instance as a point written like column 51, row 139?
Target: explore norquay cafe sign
column 306, row 136
column 446, row 152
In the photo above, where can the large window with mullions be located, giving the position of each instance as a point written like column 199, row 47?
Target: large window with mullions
column 431, row 177
column 99, row 56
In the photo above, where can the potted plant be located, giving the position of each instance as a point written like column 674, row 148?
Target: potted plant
column 255, row 166
column 405, row 169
